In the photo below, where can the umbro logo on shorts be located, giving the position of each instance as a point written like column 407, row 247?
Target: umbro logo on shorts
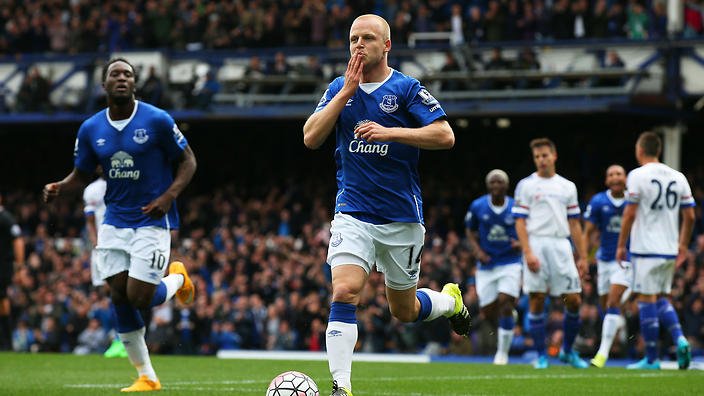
column 334, row 333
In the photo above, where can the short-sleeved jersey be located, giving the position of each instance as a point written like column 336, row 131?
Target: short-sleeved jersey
column 9, row 231
column 136, row 160
column 660, row 193
column 496, row 228
column 93, row 200
column 546, row 203
column 381, row 179
column 606, row 212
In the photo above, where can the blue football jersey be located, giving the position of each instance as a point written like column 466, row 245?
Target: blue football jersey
column 381, row 179
column 495, row 230
column 606, row 212
column 136, row 160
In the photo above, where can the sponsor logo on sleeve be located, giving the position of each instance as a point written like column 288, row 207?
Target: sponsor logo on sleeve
column 426, row 98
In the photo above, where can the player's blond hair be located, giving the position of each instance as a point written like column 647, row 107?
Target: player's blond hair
column 385, row 28
column 497, row 172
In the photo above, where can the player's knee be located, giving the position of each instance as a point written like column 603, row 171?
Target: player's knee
column 572, row 302
column 346, row 293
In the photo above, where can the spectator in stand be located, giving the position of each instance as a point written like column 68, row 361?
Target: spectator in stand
column 58, row 34
column 659, row 25
column 580, row 9
column 152, row 89
column 637, row 21
column 34, row 93
column 494, row 22
column 474, row 27
column 693, row 12
column 92, row 340
column 512, row 21
column 211, row 87
column 528, row 24
column 562, row 21
column 599, row 23
column 617, row 20
column 254, row 71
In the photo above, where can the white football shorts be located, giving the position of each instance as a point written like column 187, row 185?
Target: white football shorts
column 396, row 248
column 143, row 252
column 95, row 277
column 504, row 279
column 557, row 267
column 652, row 275
column 610, row 273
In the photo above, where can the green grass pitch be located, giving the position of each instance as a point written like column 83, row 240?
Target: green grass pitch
column 54, row 374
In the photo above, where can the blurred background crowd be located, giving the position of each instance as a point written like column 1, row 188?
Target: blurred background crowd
column 257, row 256
column 74, row 26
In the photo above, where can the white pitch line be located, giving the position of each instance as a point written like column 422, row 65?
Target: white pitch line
column 185, row 384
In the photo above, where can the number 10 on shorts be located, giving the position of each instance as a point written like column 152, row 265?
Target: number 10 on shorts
column 158, row 260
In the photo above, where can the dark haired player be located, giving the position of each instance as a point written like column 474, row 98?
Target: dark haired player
column 136, row 144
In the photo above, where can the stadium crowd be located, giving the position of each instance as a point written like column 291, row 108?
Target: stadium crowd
column 257, row 255
column 63, row 26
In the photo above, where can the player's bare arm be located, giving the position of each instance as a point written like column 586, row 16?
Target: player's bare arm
column 531, row 260
column 320, row 124
column 184, row 173
column 18, row 247
column 438, row 135
column 688, row 218
column 580, row 244
column 92, row 229
column 629, row 216
column 591, row 234
column 479, row 253
column 75, row 181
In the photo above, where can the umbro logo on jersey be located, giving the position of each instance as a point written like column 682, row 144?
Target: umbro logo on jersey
column 100, row 142
column 140, row 136
column 349, row 102
column 388, row 103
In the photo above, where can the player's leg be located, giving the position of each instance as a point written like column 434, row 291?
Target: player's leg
column 341, row 334
column 5, row 325
column 611, row 324
column 399, row 249
column 488, row 293
column 536, row 321
column 509, row 284
column 648, row 285
column 668, row 318
column 565, row 282
column 350, row 256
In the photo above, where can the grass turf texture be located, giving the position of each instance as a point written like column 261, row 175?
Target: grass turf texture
column 62, row 374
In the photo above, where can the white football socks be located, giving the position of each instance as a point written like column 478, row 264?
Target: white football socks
column 172, row 282
column 441, row 304
column 137, row 351
column 340, row 339
column 504, row 340
column 608, row 331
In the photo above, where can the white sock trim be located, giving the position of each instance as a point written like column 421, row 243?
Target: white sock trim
column 441, row 304
column 137, row 352
column 172, row 282
column 504, row 340
column 340, row 339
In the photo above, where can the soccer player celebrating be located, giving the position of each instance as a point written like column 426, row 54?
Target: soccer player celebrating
column 382, row 120
column 603, row 216
column 657, row 194
column 136, row 144
column 492, row 235
column 547, row 212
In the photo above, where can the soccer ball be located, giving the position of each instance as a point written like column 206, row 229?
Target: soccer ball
column 292, row 383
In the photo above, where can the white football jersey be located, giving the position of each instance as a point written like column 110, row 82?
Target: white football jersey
column 546, row 203
column 93, row 198
column 660, row 193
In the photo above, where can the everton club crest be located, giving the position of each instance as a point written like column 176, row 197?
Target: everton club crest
column 388, row 103
column 140, row 136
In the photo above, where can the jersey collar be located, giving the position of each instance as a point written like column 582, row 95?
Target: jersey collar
column 617, row 202
column 121, row 124
column 368, row 88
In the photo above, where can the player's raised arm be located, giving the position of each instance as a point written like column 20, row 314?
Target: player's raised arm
column 437, row 135
column 76, row 180
column 320, row 124
column 184, row 173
